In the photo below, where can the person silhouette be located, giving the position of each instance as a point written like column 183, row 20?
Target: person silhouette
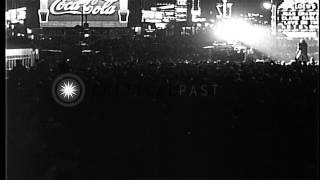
column 302, row 51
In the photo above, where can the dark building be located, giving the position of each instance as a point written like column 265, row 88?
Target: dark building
column 167, row 1
column 135, row 15
column 195, row 4
column 147, row 4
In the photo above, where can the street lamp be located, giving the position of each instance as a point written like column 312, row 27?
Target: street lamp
column 272, row 7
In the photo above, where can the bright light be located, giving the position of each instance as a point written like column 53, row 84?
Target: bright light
column 29, row 31
column 86, row 35
column 68, row 90
column 267, row 5
column 238, row 30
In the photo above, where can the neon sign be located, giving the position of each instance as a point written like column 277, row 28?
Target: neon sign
column 89, row 7
column 226, row 9
column 99, row 13
column 181, row 9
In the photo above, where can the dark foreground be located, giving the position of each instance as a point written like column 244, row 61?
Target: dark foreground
column 170, row 120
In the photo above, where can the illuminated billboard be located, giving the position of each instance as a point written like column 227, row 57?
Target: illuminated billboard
column 152, row 16
column 181, row 10
column 16, row 15
column 99, row 13
column 299, row 18
column 160, row 14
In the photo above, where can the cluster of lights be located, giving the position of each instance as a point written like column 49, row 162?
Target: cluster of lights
column 20, row 35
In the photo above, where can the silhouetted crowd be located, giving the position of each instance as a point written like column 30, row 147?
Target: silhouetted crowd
column 163, row 109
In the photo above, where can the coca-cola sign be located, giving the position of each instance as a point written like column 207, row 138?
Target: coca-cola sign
column 99, row 13
column 104, row 7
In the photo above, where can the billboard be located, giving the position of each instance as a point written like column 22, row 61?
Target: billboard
column 16, row 15
column 181, row 10
column 160, row 14
column 299, row 18
column 99, row 13
column 152, row 16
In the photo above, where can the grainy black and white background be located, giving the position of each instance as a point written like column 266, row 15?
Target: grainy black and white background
column 173, row 103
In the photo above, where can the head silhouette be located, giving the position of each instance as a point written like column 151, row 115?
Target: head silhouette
column 302, row 41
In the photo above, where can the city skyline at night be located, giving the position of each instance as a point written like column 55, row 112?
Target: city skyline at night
column 242, row 6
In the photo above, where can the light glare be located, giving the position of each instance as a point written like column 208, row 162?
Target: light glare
column 68, row 90
column 238, row 30
column 267, row 5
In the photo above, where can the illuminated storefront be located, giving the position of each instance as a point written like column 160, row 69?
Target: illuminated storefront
column 298, row 19
column 26, row 56
column 98, row 13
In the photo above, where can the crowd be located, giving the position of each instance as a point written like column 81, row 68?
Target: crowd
column 163, row 109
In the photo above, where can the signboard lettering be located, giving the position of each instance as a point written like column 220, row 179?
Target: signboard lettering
column 89, row 7
column 99, row 13
column 296, row 16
